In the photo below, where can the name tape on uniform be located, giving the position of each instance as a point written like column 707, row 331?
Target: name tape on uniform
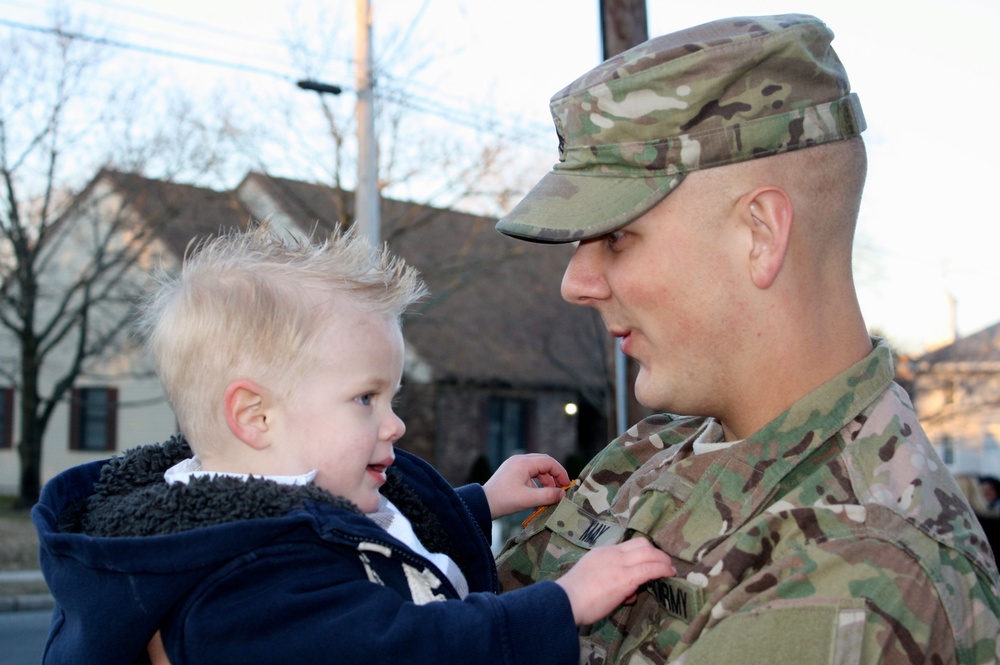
column 581, row 528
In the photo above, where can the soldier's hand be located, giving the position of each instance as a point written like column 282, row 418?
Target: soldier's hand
column 606, row 577
column 157, row 654
column 515, row 485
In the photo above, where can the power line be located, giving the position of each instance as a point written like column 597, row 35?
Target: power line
column 115, row 25
column 104, row 41
column 168, row 18
column 466, row 118
column 403, row 96
column 409, row 32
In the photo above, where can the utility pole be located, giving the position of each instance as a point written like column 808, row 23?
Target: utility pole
column 367, row 207
column 623, row 25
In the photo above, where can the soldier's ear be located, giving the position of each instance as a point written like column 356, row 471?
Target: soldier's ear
column 768, row 214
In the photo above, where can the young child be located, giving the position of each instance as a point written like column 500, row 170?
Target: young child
column 281, row 526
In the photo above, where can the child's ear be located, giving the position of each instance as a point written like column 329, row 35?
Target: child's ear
column 768, row 213
column 247, row 413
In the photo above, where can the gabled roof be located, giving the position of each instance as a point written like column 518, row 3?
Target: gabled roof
column 494, row 315
column 307, row 203
column 978, row 348
column 178, row 213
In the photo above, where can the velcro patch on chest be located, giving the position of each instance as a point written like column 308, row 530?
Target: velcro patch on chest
column 679, row 598
column 581, row 528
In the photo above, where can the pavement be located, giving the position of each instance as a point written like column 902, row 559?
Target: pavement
column 18, row 602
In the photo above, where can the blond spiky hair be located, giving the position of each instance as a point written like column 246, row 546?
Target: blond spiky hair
column 252, row 303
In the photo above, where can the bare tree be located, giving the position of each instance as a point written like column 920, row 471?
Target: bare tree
column 69, row 250
column 430, row 152
column 440, row 159
column 75, row 250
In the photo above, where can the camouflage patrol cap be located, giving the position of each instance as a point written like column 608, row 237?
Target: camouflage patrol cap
column 719, row 93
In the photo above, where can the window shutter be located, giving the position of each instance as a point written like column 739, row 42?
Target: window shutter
column 75, row 418
column 111, row 424
column 8, row 419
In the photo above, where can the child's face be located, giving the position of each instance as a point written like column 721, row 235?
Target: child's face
column 339, row 419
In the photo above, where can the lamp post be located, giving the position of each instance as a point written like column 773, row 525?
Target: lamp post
column 321, row 89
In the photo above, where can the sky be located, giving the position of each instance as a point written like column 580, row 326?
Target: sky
column 926, row 257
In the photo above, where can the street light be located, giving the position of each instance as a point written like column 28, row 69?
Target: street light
column 308, row 84
column 320, row 89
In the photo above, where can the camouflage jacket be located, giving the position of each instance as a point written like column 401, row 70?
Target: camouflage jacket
column 833, row 535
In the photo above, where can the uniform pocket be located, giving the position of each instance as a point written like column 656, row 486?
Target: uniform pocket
column 592, row 654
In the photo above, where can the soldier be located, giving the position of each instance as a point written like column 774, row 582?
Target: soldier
column 712, row 180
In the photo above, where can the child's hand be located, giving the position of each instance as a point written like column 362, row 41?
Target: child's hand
column 512, row 488
column 606, row 577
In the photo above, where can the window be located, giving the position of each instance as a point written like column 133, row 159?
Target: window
column 947, row 450
column 990, row 442
column 949, row 391
column 93, row 419
column 6, row 418
column 508, row 428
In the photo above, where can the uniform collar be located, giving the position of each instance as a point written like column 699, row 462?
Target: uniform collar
column 728, row 487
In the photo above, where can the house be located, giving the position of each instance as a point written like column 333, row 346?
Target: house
column 496, row 362
column 956, row 394
column 109, row 240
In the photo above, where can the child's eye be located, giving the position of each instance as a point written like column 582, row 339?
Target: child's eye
column 364, row 400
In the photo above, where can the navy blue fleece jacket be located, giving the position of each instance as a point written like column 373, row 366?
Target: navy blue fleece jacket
column 257, row 572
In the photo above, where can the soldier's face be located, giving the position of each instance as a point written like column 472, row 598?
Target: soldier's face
column 664, row 287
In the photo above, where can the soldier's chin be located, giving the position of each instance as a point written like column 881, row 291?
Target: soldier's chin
column 646, row 392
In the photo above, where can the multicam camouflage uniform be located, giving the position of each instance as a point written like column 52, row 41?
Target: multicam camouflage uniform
column 833, row 535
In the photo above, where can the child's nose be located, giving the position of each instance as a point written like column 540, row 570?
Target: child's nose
column 393, row 428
